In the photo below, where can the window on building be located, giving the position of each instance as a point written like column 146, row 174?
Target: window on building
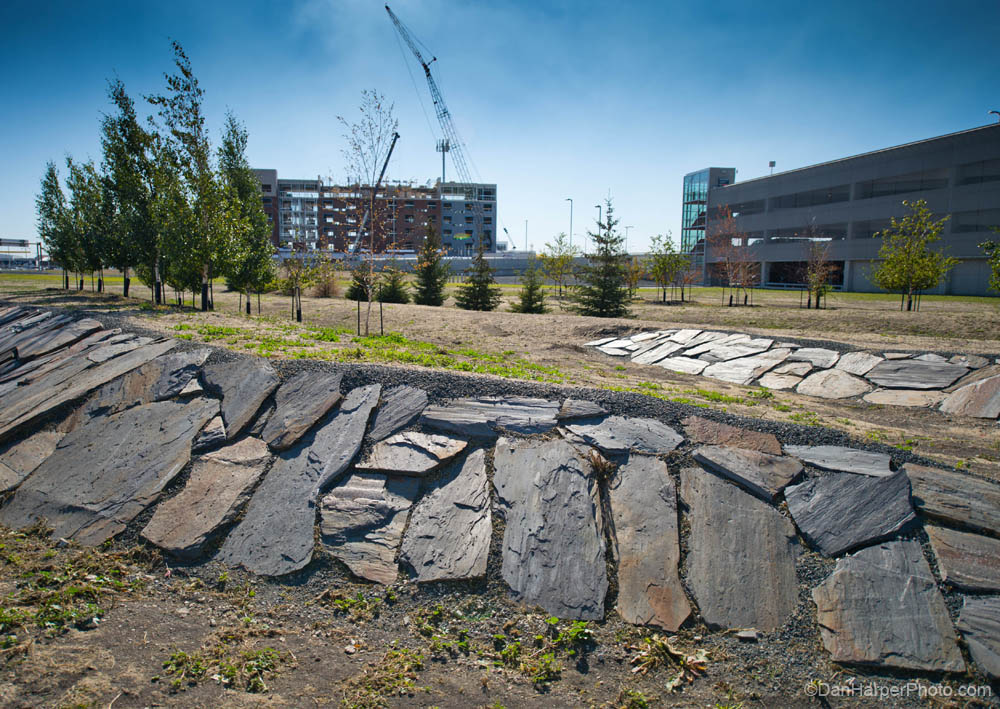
column 264, row 187
column 487, row 207
column 975, row 173
column 446, row 205
column 447, row 232
column 819, row 232
column 446, row 219
column 866, row 229
column 487, row 220
column 432, row 205
column 468, row 220
column 973, row 221
column 812, row 198
column 745, row 209
column 901, row 184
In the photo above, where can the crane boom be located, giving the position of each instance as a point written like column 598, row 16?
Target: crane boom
column 443, row 115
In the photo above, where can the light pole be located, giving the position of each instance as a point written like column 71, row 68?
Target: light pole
column 599, row 217
column 995, row 113
column 570, row 200
column 526, row 236
column 626, row 237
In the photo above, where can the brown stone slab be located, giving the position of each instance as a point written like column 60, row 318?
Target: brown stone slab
column 244, row 385
column 19, row 459
column 300, row 403
column 980, row 400
column 956, row 497
column 763, row 474
column 967, row 561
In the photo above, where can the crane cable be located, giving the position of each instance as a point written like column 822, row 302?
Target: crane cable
column 413, row 81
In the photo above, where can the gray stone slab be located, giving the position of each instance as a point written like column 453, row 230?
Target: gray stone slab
column 643, row 336
column 362, row 522
column 275, row 536
column 979, row 400
column 724, row 352
column 708, row 336
column 481, row 416
column 741, row 563
column 703, row 430
column 684, row 365
column 448, row 538
column 244, row 384
column 656, row 353
column 684, row 337
column 219, row 484
column 213, row 434
column 833, row 384
column 914, row 398
column 111, row 350
column 745, row 369
column 400, row 406
column 579, row 408
column 956, row 497
column 799, row 369
column 58, row 338
column 979, row 624
column 971, row 361
column 643, row 505
column 20, row 458
column 916, row 374
column 621, row 343
column 881, row 606
column 897, row 355
column 412, row 453
column 601, row 341
column 931, row 357
column 843, row 459
column 859, row 363
column 103, row 474
column 779, row 382
column 614, row 351
column 966, row 561
column 840, row 511
column 553, row 546
column 817, row 356
column 618, row 434
column 299, row 404
column 762, row 474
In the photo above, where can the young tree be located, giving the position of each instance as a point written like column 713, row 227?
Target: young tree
column 532, row 296
column 817, row 274
column 730, row 248
column 53, row 223
column 92, row 220
column 662, row 263
column 298, row 275
column 363, row 282
column 602, row 291
column 393, row 287
column 557, row 262
column 907, row 264
column 992, row 250
column 480, row 291
column 431, row 270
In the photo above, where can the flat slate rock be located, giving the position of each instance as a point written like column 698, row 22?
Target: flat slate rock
column 19, row 459
column 299, row 404
column 110, row 349
column 970, row 361
column 897, row 355
column 553, row 545
column 703, row 430
column 106, row 472
column 400, row 406
column 579, row 409
column 967, row 561
column 275, row 536
column 745, row 369
column 601, row 341
column 362, row 522
column 980, row 400
column 684, row 365
column 213, row 434
column 219, row 485
column 916, row 374
column 956, row 497
column 57, row 339
column 481, row 416
column 914, row 398
column 843, row 459
column 833, row 384
column 762, row 474
column 799, row 369
column 741, row 563
column 931, row 357
column 617, row 434
column 656, row 353
column 448, row 538
column 643, row 505
column 244, row 384
column 412, row 453
column 779, row 382
column 979, row 624
column 840, row 511
column 817, row 356
column 614, row 351
column 859, row 363
column 881, row 606
column 723, row 352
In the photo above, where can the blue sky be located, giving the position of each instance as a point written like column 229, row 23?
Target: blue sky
column 553, row 99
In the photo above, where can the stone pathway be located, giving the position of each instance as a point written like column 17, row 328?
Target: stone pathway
column 395, row 487
column 965, row 385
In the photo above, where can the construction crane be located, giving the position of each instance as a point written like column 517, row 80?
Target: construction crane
column 451, row 138
column 378, row 183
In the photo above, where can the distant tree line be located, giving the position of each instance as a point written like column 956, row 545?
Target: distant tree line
column 161, row 204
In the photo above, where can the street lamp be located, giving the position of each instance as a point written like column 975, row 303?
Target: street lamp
column 626, row 237
column 599, row 217
column 570, row 200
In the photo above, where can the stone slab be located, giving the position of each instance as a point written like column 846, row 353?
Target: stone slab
column 480, row 417
column 703, row 430
column 966, row 561
column 931, row 357
column 914, row 398
column 684, row 365
column 897, row 355
column 840, row 511
column 412, row 453
column 553, row 547
column 643, row 336
column 655, row 354
column 644, row 521
column 244, row 384
column 833, row 384
column 579, row 408
column 213, row 434
column 956, row 497
column 762, row 474
column 741, row 563
column 614, row 351
column 448, row 538
column 598, row 342
column 106, row 472
column 723, row 352
column 916, row 374
column 275, row 536
column 219, row 485
column 979, row 400
column 299, row 404
column 843, row 459
column 859, row 363
column 20, row 458
column 779, row 382
column 684, row 337
column 881, row 606
column 110, row 350
column 400, row 406
column 58, row 338
column 979, row 624
column 971, row 361
column 362, row 522
column 619, row 434
column 799, row 369
column 819, row 357
column 744, row 370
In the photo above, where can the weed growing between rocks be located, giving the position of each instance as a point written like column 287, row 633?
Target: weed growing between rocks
column 393, row 675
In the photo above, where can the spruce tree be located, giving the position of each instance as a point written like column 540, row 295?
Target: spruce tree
column 480, row 291
column 532, row 297
column 603, row 289
column 393, row 288
column 361, row 282
column 431, row 271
